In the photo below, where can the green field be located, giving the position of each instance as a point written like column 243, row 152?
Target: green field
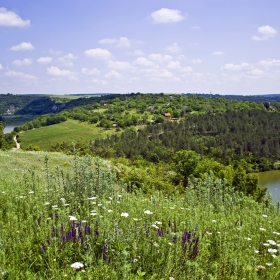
column 69, row 131
column 86, row 226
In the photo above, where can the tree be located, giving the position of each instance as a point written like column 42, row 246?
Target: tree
column 184, row 164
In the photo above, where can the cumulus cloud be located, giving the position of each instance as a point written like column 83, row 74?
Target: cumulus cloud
column 173, row 48
column 98, row 53
column 66, row 60
column 100, row 82
column 181, row 57
column 55, row 52
column 113, row 74
column 24, row 46
column 9, row 18
column 143, row 61
column 165, row 15
column 55, row 71
column 119, row 65
column 25, row 62
column 11, row 73
column 93, row 71
column 196, row 61
column 160, row 58
column 137, row 52
column 257, row 72
column 45, row 59
column 266, row 32
column 217, row 53
column 121, row 42
column 1, row 67
column 270, row 63
column 235, row 67
column 174, row 65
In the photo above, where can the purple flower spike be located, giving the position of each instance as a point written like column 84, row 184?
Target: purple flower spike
column 44, row 248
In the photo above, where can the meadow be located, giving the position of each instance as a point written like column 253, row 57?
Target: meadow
column 70, row 218
column 68, row 131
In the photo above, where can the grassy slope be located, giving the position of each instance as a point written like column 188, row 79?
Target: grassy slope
column 71, row 130
column 14, row 164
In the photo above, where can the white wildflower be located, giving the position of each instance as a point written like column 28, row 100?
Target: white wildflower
column 214, row 221
column 110, row 211
column 155, row 244
column 248, row 238
column 84, row 221
column 72, row 218
column 277, row 233
column 266, row 244
column 274, row 256
column 91, row 198
column 262, row 229
column 270, row 250
column 119, row 195
column 265, row 216
column 269, row 264
column 93, row 214
column 209, row 232
column 31, row 192
column 272, row 242
column 124, row 215
column 110, row 198
column 155, row 226
column 158, row 223
column 77, row 265
column 135, row 219
column 257, row 251
column 148, row 212
column 47, row 203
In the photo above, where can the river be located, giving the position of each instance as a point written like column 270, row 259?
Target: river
column 15, row 120
column 271, row 180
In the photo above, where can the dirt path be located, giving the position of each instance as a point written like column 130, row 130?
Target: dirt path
column 17, row 144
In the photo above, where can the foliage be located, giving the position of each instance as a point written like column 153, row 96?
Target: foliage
column 86, row 219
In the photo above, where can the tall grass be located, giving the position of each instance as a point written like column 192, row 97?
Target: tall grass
column 88, row 219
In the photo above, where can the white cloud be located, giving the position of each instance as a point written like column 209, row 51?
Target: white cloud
column 165, row 15
column 55, row 71
column 137, row 52
column 11, row 73
column 9, row 18
column 1, row 67
column 98, row 53
column 217, row 53
column 174, row 65
column 143, row 61
column 121, row 42
column 266, row 32
column 73, row 78
column 181, row 57
column 92, row 71
column 113, row 74
column 25, row 62
column 160, row 58
column 270, row 63
column 100, row 82
column 257, row 72
column 66, row 60
column 119, row 65
column 196, row 61
column 24, row 46
column 45, row 59
column 173, row 48
column 55, row 52
column 187, row 69
column 235, row 67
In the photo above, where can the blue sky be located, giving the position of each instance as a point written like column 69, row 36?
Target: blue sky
column 88, row 46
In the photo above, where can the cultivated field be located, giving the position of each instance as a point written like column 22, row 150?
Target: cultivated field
column 69, row 131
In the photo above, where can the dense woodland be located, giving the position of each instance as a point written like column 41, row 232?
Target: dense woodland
column 231, row 138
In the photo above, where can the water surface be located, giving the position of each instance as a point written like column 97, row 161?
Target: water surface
column 271, row 180
column 13, row 121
